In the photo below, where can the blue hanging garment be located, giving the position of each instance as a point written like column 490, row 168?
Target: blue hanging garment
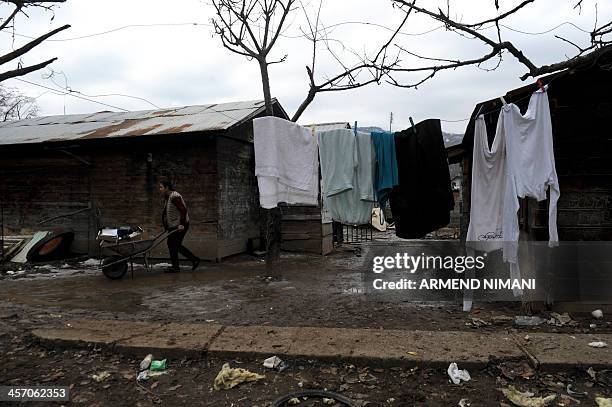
column 385, row 175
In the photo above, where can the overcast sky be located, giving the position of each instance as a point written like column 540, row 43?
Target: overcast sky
column 177, row 65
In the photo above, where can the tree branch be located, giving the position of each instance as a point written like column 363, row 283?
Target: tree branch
column 570, row 63
column 24, row 71
column 10, row 18
column 20, row 51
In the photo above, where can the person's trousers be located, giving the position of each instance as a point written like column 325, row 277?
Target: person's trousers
column 175, row 246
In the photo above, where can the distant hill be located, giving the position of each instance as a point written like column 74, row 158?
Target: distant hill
column 369, row 129
column 452, row 139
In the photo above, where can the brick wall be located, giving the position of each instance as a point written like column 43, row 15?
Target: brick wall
column 120, row 186
column 41, row 186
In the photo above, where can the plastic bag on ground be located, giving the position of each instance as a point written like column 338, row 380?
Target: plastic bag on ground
column 457, row 375
column 228, row 377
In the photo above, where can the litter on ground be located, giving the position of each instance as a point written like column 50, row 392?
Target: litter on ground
column 457, row 375
column 526, row 399
column 228, row 377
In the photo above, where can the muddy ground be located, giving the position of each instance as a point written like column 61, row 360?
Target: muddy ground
column 311, row 291
column 189, row 382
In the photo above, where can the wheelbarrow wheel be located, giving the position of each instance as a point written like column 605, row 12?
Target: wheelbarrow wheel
column 114, row 271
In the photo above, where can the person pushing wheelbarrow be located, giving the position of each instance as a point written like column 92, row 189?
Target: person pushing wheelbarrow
column 176, row 217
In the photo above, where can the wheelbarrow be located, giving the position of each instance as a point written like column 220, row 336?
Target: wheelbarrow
column 123, row 252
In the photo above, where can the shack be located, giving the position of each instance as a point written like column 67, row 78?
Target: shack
column 87, row 171
column 581, row 109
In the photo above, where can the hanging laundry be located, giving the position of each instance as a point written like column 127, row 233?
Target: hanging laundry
column 386, row 172
column 488, row 186
column 520, row 163
column 531, row 166
column 347, row 166
column 338, row 152
column 286, row 163
column 422, row 201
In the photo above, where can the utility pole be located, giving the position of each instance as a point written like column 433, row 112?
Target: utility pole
column 390, row 121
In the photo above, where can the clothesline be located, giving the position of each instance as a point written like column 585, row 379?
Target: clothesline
column 497, row 109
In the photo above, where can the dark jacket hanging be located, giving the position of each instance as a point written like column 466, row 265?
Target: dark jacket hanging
column 422, row 201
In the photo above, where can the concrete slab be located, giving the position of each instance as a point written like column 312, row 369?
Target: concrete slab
column 384, row 346
column 373, row 346
column 258, row 340
column 171, row 340
column 96, row 332
column 563, row 349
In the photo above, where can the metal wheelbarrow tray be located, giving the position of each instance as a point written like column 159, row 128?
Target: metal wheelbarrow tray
column 115, row 265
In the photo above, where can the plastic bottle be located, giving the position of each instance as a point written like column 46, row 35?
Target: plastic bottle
column 146, row 362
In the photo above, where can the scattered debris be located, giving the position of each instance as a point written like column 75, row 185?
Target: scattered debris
column 526, row 399
column 457, row 375
column 21, row 255
column 100, row 377
column 158, row 365
column 146, row 362
column 597, row 314
column 603, row 377
column 525, row 320
column 228, row 377
column 464, row 403
column 328, row 398
column 598, row 344
column 412, row 353
column 575, row 393
column 90, row 263
column 501, row 319
column 477, row 323
column 274, row 362
column 147, row 374
column 603, row 402
column 566, row 400
column 513, row 370
column 592, row 326
column 561, row 319
column 533, row 361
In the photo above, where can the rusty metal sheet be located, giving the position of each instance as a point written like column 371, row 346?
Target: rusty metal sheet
column 128, row 124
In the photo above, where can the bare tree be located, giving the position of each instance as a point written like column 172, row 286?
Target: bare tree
column 21, row 7
column 598, row 45
column 251, row 28
column 16, row 106
column 366, row 70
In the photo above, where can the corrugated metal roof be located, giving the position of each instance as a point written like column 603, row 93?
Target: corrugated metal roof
column 126, row 124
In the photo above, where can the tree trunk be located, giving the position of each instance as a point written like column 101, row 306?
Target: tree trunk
column 307, row 101
column 265, row 81
column 273, row 216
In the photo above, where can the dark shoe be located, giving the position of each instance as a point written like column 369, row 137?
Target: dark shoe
column 172, row 270
column 195, row 264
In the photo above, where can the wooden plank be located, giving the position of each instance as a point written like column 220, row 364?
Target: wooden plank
column 302, row 217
